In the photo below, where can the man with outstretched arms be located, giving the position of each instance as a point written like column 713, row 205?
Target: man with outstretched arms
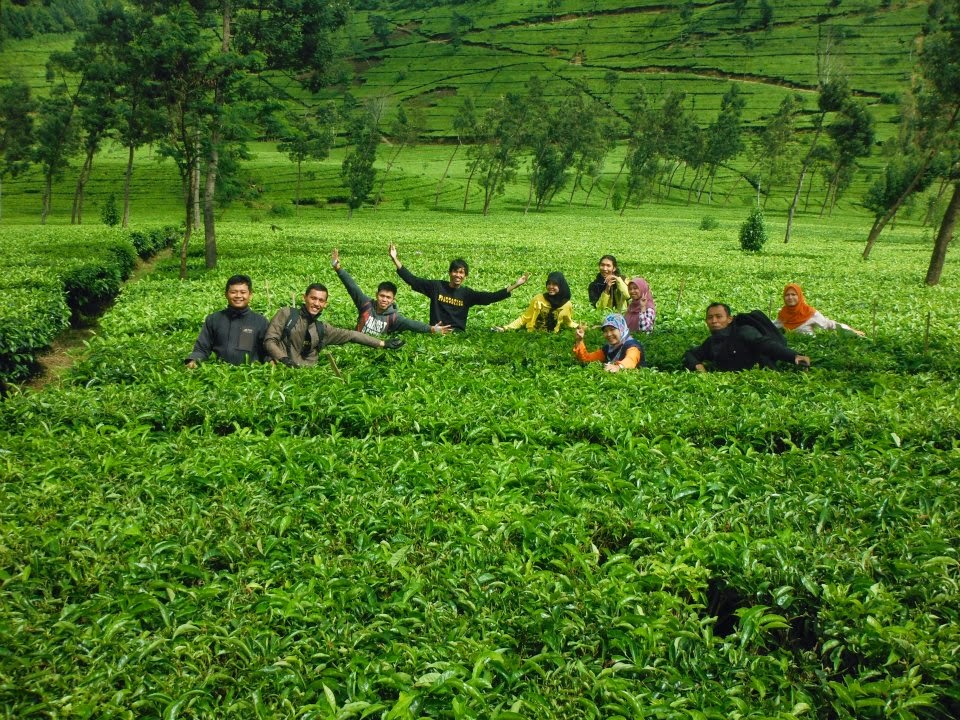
column 379, row 316
column 296, row 335
column 734, row 346
column 234, row 334
column 451, row 300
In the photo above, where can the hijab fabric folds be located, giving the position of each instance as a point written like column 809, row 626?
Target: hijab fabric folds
column 617, row 321
column 632, row 313
column 794, row 317
column 556, row 301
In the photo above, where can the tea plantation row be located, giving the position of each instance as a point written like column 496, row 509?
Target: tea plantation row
column 476, row 526
column 53, row 274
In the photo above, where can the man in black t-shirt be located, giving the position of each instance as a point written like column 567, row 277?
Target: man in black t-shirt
column 451, row 300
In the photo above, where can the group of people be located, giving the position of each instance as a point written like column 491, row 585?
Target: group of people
column 296, row 335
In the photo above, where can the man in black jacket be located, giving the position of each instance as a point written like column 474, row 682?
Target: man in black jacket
column 737, row 347
column 234, row 334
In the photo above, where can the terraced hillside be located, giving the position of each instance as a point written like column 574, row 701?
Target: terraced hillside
column 614, row 48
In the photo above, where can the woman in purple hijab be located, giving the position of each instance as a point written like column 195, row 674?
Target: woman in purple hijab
column 642, row 310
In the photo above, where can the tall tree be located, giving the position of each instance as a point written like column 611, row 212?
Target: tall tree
column 16, row 130
column 465, row 126
column 307, row 137
column 56, row 142
column 405, row 129
column 940, row 63
column 833, row 95
column 496, row 155
column 724, row 135
column 852, row 134
column 357, row 170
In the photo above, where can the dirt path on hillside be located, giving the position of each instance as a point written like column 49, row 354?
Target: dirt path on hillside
column 64, row 350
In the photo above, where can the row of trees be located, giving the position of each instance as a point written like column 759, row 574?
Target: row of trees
column 190, row 81
column 187, row 79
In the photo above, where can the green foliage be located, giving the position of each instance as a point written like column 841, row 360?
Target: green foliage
column 753, row 232
column 109, row 213
column 475, row 525
column 709, row 223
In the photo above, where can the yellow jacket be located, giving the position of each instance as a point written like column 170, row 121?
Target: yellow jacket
column 605, row 302
column 535, row 316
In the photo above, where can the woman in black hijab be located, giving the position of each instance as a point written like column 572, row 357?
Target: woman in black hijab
column 550, row 310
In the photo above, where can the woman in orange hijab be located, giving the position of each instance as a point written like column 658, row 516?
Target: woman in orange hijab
column 799, row 317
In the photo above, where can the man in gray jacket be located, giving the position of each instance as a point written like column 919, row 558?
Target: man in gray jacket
column 296, row 335
column 380, row 316
column 234, row 334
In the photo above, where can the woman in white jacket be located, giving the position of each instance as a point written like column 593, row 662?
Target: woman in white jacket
column 798, row 316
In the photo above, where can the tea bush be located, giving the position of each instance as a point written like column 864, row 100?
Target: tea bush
column 476, row 526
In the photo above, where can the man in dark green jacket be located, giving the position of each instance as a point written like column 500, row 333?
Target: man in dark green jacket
column 296, row 335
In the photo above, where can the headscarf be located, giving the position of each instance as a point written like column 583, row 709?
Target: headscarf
column 556, row 301
column 617, row 321
column 794, row 317
column 632, row 313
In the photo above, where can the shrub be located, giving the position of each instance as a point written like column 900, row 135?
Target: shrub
column 617, row 199
column 753, row 232
column 709, row 223
column 89, row 287
column 109, row 212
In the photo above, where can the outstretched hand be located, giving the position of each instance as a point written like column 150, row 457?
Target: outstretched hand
column 440, row 328
column 802, row 361
column 580, row 332
column 392, row 250
column 335, row 259
column 393, row 343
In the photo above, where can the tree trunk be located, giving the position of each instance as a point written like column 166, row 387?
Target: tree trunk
column 76, row 213
column 436, row 197
column 466, row 193
column 188, row 226
column 803, row 173
column 928, row 216
column 944, row 236
column 209, row 203
column 45, row 200
column 383, row 178
column 736, row 184
column 593, row 184
column 613, row 185
column 126, row 188
column 194, row 201
column 881, row 222
column 526, row 208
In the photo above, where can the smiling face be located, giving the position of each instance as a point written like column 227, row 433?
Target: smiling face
column 790, row 297
column 635, row 292
column 315, row 301
column 607, row 267
column 457, row 276
column 238, row 296
column 384, row 300
column 718, row 318
column 611, row 334
column 552, row 288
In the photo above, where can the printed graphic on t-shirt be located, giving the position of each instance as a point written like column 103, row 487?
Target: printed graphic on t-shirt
column 447, row 300
column 374, row 326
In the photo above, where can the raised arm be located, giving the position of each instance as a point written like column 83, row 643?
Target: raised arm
column 356, row 294
column 392, row 250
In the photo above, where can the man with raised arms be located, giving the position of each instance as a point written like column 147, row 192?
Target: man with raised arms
column 234, row 334
column 451, row 300
column 379, row 316
column 738, row 346
column 296, row 335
